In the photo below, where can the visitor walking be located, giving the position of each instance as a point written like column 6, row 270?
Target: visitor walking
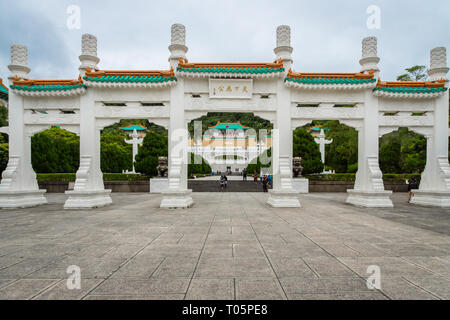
column 255, row 177
column 223, row 182
column 265, row 181
column 412, row 184
column 244, row 174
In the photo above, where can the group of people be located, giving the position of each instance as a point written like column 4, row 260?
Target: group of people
column 265, row 180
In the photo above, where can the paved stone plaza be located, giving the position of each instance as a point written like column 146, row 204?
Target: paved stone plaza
column 228, row 246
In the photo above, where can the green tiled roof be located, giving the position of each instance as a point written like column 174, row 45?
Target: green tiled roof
column 137, row 127
column 132, row 79
column 241, row 70
column 330, row 80
column 58, row 87
column 3, row 92
column 3, row 89
column 410, row 89
column 224, row 126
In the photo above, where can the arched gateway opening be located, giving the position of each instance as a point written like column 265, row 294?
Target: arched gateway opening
column 232, row 144
column 188, row 90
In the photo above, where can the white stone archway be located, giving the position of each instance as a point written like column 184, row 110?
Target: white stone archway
column 174, row 97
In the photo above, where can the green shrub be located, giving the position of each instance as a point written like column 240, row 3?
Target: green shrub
column 257, row 165
column 351, row 177
column 198, row 166
column 56, row 176
column 304, row 146
column 154, row 146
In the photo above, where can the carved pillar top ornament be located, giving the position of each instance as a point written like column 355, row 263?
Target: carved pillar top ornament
column 19, row 61
column 88, row 57
column 283, row 50
column 88, row 45
column 369, row 47
column 369, row 56
column 178, row 34
column 438, row 64
column 283, row 36
column 177, row 46
column 19, row 55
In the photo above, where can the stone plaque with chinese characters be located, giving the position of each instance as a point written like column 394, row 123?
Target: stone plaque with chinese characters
column 231, row 88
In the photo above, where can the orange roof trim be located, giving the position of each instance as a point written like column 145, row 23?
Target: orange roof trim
column 311, row 75
column 22, row 82
column 101, row 73
column 185, row 64
column 411, row 84
column 1, row 84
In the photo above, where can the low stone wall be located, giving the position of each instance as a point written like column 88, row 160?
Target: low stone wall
column 214, row 186
column 54, row 186
column 342, row 186
column 115, row 186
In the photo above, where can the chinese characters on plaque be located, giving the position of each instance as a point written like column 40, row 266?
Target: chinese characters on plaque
column 231, row 88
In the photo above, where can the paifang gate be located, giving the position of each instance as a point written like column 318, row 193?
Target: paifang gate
column 186, row 91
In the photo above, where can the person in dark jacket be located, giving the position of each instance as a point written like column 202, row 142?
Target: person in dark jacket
column 412, row 184
column 223, row 182
column 265, row 181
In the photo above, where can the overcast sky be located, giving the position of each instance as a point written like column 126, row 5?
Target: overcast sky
column 326, row 34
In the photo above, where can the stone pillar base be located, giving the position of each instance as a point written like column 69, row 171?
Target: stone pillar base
column 301, row 185
column 283, row 199
column 176, row 199
column 87, row 199
column 370, row 199
column 431, row 198
column 159, row 185
column 22, row 198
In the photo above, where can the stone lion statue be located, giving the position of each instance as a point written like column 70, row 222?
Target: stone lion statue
column 297, row 166
column 162, row 167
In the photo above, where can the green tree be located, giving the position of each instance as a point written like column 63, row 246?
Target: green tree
column 415, row 73
column 55, row 151
column 246, row 119
column 304, row 146
column 342, row 154
column 3, row 123
column 402, row 151
column 390, row 152
column 115, row 157
column 3, row 156
column 263, row 161
column 197, row 165
column 154, row 146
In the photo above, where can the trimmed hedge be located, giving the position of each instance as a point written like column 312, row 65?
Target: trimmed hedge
column 351, row 177
column 106, row 177
column 138, row 177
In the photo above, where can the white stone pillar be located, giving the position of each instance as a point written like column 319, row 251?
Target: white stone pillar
column 89, row 191
column 369, row 188
column 434, row 189
column 19, row 187
column 282, row 194
column 178, row 195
